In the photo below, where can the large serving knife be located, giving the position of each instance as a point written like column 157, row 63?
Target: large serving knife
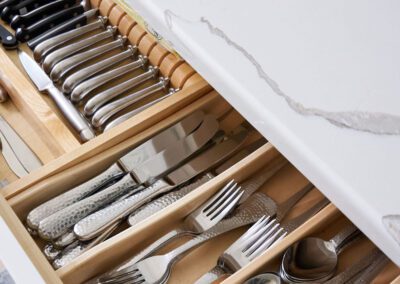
column 44, row 84
column 141, row 153
column 22, row 21
column 17, row 154
column 146, row 173
column 67, row 26
column 96, row 223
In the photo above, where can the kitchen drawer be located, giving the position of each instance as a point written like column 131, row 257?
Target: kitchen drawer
column 180, row 74
column 93, row 157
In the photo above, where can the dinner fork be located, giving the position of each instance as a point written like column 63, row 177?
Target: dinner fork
column 157, row 269
column 259, row 238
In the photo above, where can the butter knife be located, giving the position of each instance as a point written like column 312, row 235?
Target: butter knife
column 141, row 153
column 145, row 173
column 95, row 224
column 17, row 154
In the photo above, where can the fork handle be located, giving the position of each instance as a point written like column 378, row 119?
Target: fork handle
column 96, row 223
column 211, row 276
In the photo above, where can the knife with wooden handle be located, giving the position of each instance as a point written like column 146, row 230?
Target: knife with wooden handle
column 145, row 173
column 137, row 156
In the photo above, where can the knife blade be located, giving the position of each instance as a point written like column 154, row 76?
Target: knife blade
column 154, row 168
column 24, row 34
column 21, row 21
column 44, row 84
column 141, row 153
column 18, row 155
column 94, row 224
column 72, row 24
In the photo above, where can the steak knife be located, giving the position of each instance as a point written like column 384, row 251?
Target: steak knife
column 20, row 8
column 18, row 155
column 141, row 153
column 21, row 21
column 24, row 34
column 6, row 3
column 146, row 173
column 44, row 84
column 94, row 224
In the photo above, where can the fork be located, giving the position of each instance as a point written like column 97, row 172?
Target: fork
column 258, row 239
column 156, row 269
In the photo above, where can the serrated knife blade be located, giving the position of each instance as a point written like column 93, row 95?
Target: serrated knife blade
column 18, row 155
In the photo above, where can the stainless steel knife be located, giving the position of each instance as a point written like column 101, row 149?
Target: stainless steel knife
column 146, row 173
column 96, row 223
column 44, row 84
column 137, row 156
column 18, row 155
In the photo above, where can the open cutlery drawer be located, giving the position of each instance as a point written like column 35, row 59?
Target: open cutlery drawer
column 144, row 86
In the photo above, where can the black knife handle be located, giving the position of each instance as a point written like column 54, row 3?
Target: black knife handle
column 81, row 20
column 25, row 34
column 21, row 8
column 23, row 21
column 7, row 39
column 6, row 3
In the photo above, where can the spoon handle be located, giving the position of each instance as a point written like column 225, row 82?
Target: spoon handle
column 372, row 270
column 345, row 236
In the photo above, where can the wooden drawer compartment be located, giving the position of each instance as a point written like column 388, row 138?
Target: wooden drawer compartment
column 180, row 74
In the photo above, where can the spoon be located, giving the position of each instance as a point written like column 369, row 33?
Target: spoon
column 266, row 278
column 313, row 259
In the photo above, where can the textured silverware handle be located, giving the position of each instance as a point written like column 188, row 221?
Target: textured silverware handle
column 58, row 223
column 66, row 65
column 95, row 223
column 370, row 273
column 105, row 113
column 65, row 240
column 66, row 199
column 248, row 214
column 102, row 98
column 211, row 275
column 77, row 121
column 344, row 236
column 42, row 49
column 84, row 88
column 56, row 56
column 74, row 79
column 160, row 203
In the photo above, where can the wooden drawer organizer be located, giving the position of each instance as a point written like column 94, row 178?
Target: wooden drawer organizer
column 78, row 164
column 85, row 162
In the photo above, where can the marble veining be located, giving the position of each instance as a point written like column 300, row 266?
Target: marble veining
column 371, row 122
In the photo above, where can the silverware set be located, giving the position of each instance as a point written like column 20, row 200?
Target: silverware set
column 82, row 68
column 265, row 213
column 175, row 161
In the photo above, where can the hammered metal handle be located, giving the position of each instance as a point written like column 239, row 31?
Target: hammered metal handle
column 215, row 273
column 95, row 223
column 57, row 224
column 70, row 197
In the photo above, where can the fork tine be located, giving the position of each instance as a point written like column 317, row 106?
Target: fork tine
column 210, row 202
column 243, row 240
column 264, row 244
column 228, row 204
column 266, row 227
column 131, row 274
column 217, row 200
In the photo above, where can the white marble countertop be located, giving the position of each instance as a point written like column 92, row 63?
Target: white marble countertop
column 321, row 81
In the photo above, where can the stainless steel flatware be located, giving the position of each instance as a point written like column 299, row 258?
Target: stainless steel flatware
column 124, row 117
column 82, row 90
column 64, row 66
column 17, row 154
column 145, row 173
column 105, row 113
column 126, row 163
column 156, row 269
column 70, row 49
column 44, row 84
column 302, row 264
column 102, row 98
column 83, row 74
column 94, row 224
column 54, row 42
